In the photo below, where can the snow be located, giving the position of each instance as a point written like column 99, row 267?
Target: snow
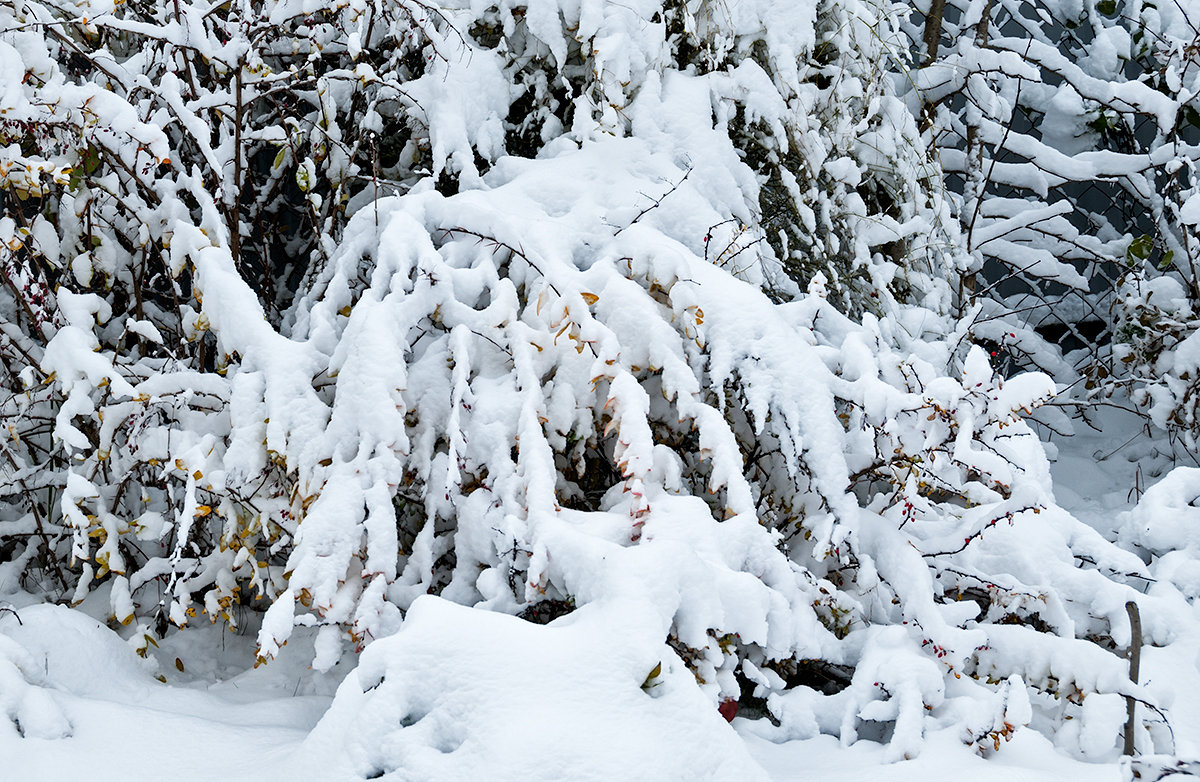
column 1027, row 758
column 644, row 379
column 465, row 693
column 101, row 706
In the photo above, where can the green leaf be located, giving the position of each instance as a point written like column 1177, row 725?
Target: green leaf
column 1167, row 258
column 1139, row 249
column 1107, row 7
column 91, row 160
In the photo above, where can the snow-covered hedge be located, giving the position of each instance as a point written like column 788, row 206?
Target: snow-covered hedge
column 640, row 308
column 1070, row 133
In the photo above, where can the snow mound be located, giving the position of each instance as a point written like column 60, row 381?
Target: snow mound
column 49, row 653
column 75, row 653
column 462, row 693
column 30, row 709
column 1166, row 525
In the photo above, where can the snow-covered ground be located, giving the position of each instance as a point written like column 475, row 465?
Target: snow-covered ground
column 464, row 694
column 255, row 725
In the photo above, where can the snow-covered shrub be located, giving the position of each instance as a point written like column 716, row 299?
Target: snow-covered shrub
column 532, row 305
column 1155, row 308
column 1066, row 130
column 845, row 192
column 1156, row 347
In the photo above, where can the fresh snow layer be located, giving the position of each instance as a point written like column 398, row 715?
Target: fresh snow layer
column 1027, row 758
column 106, row 716
column 458, row 694
column 466, row 694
